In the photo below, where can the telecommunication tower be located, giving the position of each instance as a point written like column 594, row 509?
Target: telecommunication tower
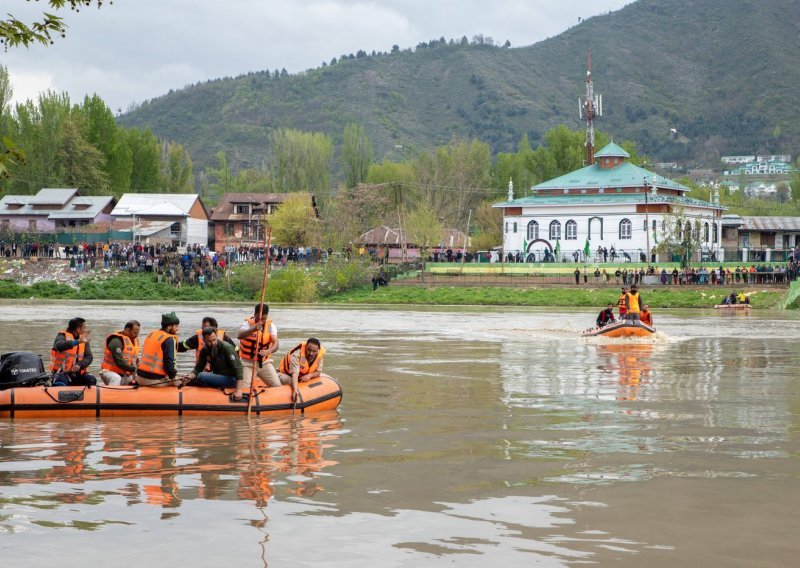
column 590, row 106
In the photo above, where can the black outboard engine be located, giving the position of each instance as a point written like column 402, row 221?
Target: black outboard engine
column 21, row 369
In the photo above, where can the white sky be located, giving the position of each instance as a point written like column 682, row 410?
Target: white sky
column 135, row 50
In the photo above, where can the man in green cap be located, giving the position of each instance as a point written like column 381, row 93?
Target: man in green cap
column 157, row 364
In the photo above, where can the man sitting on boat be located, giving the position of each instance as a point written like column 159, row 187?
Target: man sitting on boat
column 157, row 365
column 71, row 355
column 301, row 364
column 742, row 299
column 645, row 316
column 121, row 355
column 224, row 362
column 195, row 342
column 633, row 303
column 606, row 316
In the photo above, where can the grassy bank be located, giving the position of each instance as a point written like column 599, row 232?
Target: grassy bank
column 498, row 296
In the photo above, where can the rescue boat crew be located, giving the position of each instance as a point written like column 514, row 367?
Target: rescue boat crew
column 645, row 316
column 157, row 365
column 621, row 303
column 196, row 341
column 606, row 316
column 633, row 303
column 71, row 355
column 302, row 363
column 221, row 357
column 121, row 355
column 258, row 340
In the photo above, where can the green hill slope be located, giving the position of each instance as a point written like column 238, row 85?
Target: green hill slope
column 720, row 72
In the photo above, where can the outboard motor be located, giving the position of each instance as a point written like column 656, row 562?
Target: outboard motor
column 21, row 369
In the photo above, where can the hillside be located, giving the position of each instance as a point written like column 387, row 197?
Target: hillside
column 721, row 72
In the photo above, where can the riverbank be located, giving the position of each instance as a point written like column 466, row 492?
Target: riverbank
column 673, row 297
column 343, row 284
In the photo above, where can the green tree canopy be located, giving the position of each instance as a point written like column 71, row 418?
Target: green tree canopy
column 295, row 223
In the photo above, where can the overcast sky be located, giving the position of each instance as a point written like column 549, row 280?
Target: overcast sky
column 135, row 50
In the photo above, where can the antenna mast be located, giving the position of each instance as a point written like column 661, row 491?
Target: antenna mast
column 590, row 106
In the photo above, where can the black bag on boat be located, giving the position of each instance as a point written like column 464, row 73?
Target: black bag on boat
column 21, row 369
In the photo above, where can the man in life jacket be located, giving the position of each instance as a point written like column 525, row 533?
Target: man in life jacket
column 121, row 355
column 157, row 364
column 606, row 316
column 195, row 342
column 633, row 303
column 621, row 303
column 221, row 358
column 71, row 355
column 645, row 316
column 301, row 364
column 258, row 340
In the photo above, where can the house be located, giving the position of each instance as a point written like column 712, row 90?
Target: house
column 52, row 210
column 180, row 219
column 384, row 238
column 760, row 239
column 609, row 203
column 238, row 217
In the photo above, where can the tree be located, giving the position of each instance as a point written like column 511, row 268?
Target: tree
column 794, row 185
column 176, row 169
column 356, row 155
column 80, row 164
column 295, row 223
column 488, row 227
column 302, row 160
column 423, row 229
column 145, row 159
column 14, row 32
column 680, row 235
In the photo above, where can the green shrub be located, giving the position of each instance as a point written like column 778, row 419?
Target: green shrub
column 339, row 276
column 292, row 283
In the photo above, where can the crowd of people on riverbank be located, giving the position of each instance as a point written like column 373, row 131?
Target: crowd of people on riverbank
column 697, row 276
column 219, row 362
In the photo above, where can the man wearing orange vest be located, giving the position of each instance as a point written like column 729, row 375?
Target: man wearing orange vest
column 195, row 342
column 121, row 355
column 71, row 355
column 157, row 365
column 633, row 303
column 301, row 364
column 258, row 340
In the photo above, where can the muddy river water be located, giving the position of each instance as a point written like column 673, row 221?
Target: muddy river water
column 467, row 437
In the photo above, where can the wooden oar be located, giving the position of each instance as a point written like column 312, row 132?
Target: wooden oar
column 260, row 317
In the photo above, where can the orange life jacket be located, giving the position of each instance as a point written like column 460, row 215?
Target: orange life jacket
column 633, row 300
column 247, row 346
column 152, row 354
column 305, row 368
column 646, row 318
column 130, row 349
column 621, row 304
column 64, row 360
column 220, row 335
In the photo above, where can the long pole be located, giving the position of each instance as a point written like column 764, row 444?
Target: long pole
column 260, row 316
column 466, row 239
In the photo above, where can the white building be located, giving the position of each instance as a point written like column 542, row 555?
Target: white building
column 177, row 218
column 611, row 203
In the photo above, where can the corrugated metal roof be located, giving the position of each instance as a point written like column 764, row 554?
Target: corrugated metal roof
column 770, row 224
column 224, row 209
column 624, row 175
column 612, row 151
column 94, row 205
column 53, row 196
column 588, row 200
column 149, row 204
column 385, row 235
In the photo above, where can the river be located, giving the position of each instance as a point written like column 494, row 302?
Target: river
column 466, row 437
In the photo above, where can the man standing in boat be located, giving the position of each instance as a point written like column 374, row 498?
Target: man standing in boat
column 258, row 340
column 633, row 303
column 621, row 303
column 221, row 358
column 606, row 316
column 71, row 355
column 121, row 355
column 157, row 366
column 302, row 363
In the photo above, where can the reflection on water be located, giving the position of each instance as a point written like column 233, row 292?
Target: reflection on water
column 466, row 437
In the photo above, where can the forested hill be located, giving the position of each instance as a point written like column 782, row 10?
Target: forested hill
column 720, row 72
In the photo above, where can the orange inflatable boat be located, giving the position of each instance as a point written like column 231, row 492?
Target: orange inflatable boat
column 732, row 307
column 323, row 393
column 623, row 328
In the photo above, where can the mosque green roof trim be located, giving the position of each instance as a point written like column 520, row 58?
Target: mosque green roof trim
column 605, row 199
column 612, row 151
column 623, row 175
